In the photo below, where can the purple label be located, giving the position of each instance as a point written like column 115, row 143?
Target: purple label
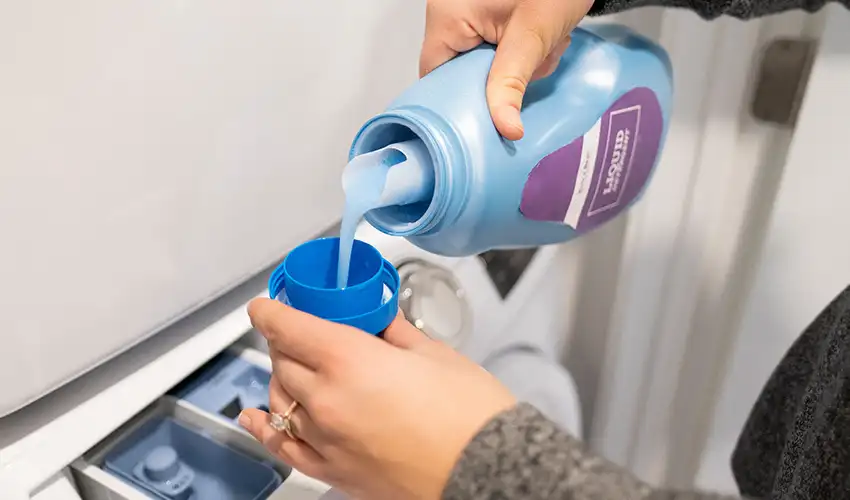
column 591, row 180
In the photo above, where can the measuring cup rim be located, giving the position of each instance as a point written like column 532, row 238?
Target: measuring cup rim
column 358, row 286
column 383, row 314
column 391, row 280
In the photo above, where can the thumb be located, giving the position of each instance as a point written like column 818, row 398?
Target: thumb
column 533, row 37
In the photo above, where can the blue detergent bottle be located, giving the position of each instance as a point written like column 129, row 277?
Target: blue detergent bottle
column 432, row 168
column 593, row 133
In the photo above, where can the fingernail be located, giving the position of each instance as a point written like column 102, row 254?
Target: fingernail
column 510, row 116
column 244, row 421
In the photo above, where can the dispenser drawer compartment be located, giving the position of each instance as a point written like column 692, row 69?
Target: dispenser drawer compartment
column 236, row 379
column 174, row 451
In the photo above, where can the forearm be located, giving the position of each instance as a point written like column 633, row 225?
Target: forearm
column 710, row 9
column 522, row 455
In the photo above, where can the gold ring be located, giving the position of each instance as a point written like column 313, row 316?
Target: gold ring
column 283, row 423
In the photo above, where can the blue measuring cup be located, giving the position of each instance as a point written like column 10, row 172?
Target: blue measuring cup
column 306, row 280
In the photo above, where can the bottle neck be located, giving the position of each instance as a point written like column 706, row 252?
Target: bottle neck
column 446, row 157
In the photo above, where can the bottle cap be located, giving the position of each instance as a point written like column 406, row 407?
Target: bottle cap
column 306, row 280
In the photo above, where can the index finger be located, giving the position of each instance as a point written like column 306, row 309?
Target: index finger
column 310, row 340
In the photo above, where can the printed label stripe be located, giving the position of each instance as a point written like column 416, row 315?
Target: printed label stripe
column 582, row 187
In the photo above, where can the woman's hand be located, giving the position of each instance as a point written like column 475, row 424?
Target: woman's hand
column 532, row 35
column 379, row 419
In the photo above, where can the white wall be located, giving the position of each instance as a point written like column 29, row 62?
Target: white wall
column 805, row 262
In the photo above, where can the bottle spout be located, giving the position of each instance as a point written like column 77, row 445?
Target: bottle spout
column 402, row 172
column 412, row 179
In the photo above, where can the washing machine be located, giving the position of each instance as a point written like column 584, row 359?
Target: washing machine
column 504, row 309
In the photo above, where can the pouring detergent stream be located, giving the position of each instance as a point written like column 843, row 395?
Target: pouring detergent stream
column 397, row 175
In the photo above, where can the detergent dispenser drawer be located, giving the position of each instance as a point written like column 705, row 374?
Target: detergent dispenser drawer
column 187, row 446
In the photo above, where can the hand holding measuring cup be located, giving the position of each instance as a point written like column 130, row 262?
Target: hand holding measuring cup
column 377, row 418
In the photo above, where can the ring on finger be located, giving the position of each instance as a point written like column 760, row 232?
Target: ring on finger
column 283, row 423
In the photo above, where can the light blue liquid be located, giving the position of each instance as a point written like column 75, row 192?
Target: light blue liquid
column 362, row 194
column 366, row 188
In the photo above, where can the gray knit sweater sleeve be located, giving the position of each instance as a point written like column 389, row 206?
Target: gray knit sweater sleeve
column 710, row 9
column 522, row 455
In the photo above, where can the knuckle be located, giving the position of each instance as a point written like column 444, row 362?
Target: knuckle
column 537, row 40
column 314, row 471
column 514, row 83
column 465, row 30
column 506, row 90
column 323, row 411
column 332, row 473
column 334, row 362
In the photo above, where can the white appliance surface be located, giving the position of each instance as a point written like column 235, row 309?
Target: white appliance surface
column 155, row 154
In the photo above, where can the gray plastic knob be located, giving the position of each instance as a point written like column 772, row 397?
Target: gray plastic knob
column 162, row 464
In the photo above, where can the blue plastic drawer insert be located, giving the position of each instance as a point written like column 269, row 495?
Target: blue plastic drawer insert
column 226, row 386
column 169, row 461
